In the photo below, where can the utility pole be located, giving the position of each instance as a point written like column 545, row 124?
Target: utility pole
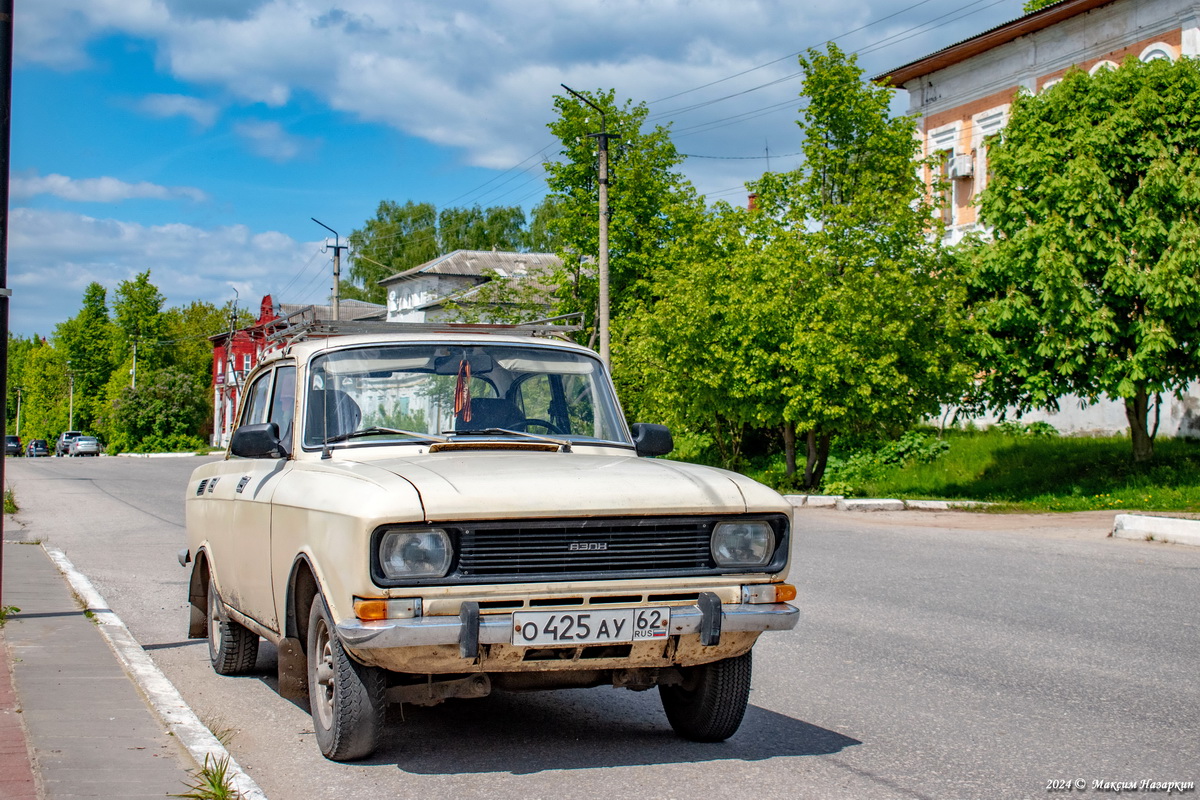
column 338, row 247
column 602, row 168
column 132, row 372
column 6, row 48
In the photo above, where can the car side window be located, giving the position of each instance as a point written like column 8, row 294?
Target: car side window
column 283, row 403
column 254, row 409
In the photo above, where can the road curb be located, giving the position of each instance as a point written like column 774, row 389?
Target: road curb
column 841, row 503
column 162, row 695
column 1158, row 529
column 157, row 455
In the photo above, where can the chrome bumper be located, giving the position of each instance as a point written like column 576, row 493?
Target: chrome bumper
column 498, row 628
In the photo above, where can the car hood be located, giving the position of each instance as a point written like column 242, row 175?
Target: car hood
column 507, row 485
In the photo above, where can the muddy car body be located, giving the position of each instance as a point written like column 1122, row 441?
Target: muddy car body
column 416, row 516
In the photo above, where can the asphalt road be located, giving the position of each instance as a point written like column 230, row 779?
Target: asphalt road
column 938, row 656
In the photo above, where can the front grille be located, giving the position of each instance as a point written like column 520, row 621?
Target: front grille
column 513, row 551
column 626, row 546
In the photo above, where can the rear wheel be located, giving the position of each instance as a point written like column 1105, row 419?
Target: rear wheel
column 232, row 648
column 346, row 698
column 710, row 703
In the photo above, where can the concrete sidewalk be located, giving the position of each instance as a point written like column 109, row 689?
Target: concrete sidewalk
column 90, row 732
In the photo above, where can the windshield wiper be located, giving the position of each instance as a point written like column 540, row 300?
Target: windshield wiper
column 563, row 443
column 375, row 430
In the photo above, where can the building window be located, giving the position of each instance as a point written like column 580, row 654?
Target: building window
column 943, row 195
column 942, row 143
column 986, row 129
column 1158, row 50
column 245, row 362
column 1105, row 64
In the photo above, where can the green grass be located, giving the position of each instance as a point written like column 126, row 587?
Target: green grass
column 211, row 782
column 5, row 611
column 1048, row 473
column 10, row 502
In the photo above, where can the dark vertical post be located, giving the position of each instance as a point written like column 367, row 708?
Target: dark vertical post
column 602, row 168
column 6, row 45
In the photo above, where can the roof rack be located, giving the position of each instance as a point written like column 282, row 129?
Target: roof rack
column 304, row 324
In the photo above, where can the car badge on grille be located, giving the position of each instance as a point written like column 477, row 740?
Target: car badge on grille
column 582, row 546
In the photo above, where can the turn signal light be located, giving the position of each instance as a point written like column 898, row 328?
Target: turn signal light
column 784, row 592
column 376, row 609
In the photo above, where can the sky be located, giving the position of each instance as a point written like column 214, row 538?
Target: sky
column 198, row 139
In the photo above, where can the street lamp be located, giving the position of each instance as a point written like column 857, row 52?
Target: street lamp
column 602, row 168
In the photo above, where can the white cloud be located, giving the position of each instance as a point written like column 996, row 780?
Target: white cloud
column 97, row 190
column 202, row 112
column 54, row 255
column 270, row 140
column 479, row 76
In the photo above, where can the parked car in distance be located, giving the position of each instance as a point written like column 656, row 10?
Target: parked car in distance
column 84, row 446
column 12, row 445
column 37, row 448
column 63, row 445
column 424, row 514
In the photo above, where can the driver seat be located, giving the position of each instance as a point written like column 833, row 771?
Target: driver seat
column 331, row 413
column 489, row 412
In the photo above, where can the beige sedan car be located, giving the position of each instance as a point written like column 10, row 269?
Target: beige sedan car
column 411, row 517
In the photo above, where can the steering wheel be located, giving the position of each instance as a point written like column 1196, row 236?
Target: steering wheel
column 525, row 423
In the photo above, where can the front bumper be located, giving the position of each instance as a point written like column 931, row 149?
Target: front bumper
column 498, row 628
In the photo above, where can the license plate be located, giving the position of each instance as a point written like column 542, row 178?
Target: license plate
column 593, row 626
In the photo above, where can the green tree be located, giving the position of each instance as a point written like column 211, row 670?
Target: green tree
column 141, row 323
column 678, row 360
column 651, row 204
column 399, row 237
column 495, row 228
column 164, row 412
column 1091, row 286
column 87, row 341
column 44, row 396
column 188, row 329
column 1036, row 5
column 854, row 316
column 540, row 237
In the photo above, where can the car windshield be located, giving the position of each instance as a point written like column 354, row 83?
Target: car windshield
column 436, row 390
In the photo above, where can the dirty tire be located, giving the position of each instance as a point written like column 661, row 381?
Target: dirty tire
column 346, row 698
column 710, row 704
column 232, row 648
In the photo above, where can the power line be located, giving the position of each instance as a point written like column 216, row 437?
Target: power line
column 789, row 56
column 741, row 158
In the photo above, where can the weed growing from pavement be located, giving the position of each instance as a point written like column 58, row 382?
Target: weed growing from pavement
column 211, row 782
column 5, row 611
column 10, row 502
column 220, row 729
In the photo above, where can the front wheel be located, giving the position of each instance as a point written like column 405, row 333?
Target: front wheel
column 232, row 648
column 346, row 698
column 710, row 703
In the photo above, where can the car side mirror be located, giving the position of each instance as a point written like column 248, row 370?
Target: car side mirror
column 652, row 440
column 258, row 441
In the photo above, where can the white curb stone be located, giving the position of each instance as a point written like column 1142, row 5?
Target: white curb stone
column 796, row 499
column 927, row 505
column 870, row 505
column 823, row 500
column 1161, row 529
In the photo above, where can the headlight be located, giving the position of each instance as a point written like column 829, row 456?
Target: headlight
column 415, row 554
column 743, row 544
